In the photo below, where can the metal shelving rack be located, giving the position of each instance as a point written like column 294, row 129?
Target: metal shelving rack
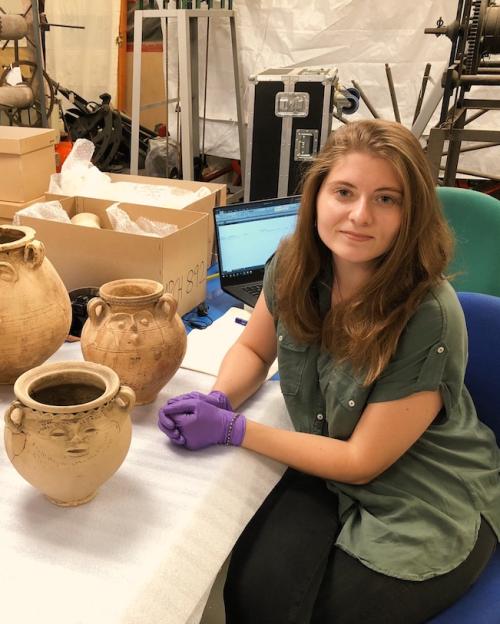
column 187, row 32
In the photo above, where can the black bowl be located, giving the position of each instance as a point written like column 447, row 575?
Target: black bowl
column 79, row 299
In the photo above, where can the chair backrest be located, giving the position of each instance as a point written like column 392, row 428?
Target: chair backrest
column 475, row 220
column 482, row 377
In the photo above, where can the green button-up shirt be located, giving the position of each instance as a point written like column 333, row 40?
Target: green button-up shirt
column 420, row 518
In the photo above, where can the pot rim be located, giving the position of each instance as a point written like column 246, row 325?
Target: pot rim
column 28, row 235
column 156, row 289
column 33, row 379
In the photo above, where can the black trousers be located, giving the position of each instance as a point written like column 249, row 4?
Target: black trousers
column 285, row 570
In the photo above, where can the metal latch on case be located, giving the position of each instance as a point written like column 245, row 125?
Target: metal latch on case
column 306, row 144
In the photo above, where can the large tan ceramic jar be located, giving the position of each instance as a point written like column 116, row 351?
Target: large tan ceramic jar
column 134, row 328
column 35, row 310
column 69, row 429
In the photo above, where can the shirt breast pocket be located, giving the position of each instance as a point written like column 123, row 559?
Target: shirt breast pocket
column 292, row 359
column 346, row 400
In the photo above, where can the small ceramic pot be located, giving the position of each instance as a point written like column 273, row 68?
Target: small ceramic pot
column 134, row 329
column 69, row 429
column 87, row 219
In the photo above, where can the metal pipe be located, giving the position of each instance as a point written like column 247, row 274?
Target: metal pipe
column 35, row 11
column 423, row 87
column 340, row 118
column 475, row 116
column 476, row 174
column 479, row 80
column 46, row 26
column 362, row 95
column 472, row 148
column 484, row 71
column 392, row 91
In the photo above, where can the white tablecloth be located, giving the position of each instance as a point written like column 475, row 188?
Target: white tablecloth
column 147, row 549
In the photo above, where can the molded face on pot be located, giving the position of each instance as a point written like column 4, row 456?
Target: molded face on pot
column 133, row 328
column 70, row 441
column 126, row 328
column 69, row 429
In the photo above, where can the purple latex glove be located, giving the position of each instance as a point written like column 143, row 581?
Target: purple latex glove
column 219, row 399
column 196, row 424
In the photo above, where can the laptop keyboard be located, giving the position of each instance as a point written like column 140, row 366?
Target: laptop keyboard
column 252, row 289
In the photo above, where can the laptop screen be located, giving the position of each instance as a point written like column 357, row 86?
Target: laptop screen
column 248, row 234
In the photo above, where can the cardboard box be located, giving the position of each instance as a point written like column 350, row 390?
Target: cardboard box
column 217, row 197
column 9, row 209
column 85, row 256
column 27, row 160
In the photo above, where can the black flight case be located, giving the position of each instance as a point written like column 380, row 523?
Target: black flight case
column 290, row 118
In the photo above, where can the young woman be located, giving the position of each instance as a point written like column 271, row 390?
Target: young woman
column 390, row 508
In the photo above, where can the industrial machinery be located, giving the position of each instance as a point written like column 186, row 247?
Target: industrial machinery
column 28, row 95
column 475, row 35
column 25, row 95
column 109, row 129
column 187, row 15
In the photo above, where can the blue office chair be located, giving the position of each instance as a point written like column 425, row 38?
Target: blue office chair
column 481, row 605
column 475, row 220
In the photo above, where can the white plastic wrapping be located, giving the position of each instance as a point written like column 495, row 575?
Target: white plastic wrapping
column 80, row 177
column 121, row 222
column 151, row 194
column 78, row 173
column 52, row 211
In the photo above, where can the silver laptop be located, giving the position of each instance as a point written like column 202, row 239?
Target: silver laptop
column 247, row 236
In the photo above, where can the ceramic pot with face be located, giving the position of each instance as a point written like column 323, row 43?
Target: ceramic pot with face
column 133, row 327
column 35, row 310
column 69, row 429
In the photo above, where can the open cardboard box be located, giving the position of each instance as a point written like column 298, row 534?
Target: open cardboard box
column 27, row 160
column 86, row 257
column 9, row 209
column 205, row 205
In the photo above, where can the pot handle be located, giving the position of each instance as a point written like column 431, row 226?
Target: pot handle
column 8, row 272
column 125, row 398
column 168, row 305
column 97, row 310
column 34, row 253
column 14, row 416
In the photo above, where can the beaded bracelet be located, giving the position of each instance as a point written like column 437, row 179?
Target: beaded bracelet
column 229, row 433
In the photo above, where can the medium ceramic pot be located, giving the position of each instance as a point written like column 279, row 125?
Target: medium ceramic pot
column 133, row 327
column 35, row 310
column 69, row 429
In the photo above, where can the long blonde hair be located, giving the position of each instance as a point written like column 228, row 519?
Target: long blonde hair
column 365, row 329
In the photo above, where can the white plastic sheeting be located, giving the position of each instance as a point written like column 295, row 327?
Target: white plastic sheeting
column 79, row 177
column 85, row 61
column 356, row 36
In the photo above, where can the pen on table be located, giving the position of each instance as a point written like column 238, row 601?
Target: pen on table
column 240, row 321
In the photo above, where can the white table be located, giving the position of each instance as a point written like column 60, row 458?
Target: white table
column 148, row 547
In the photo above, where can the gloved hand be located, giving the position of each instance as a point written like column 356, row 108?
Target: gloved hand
column 219, row 399
column 196, row 424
